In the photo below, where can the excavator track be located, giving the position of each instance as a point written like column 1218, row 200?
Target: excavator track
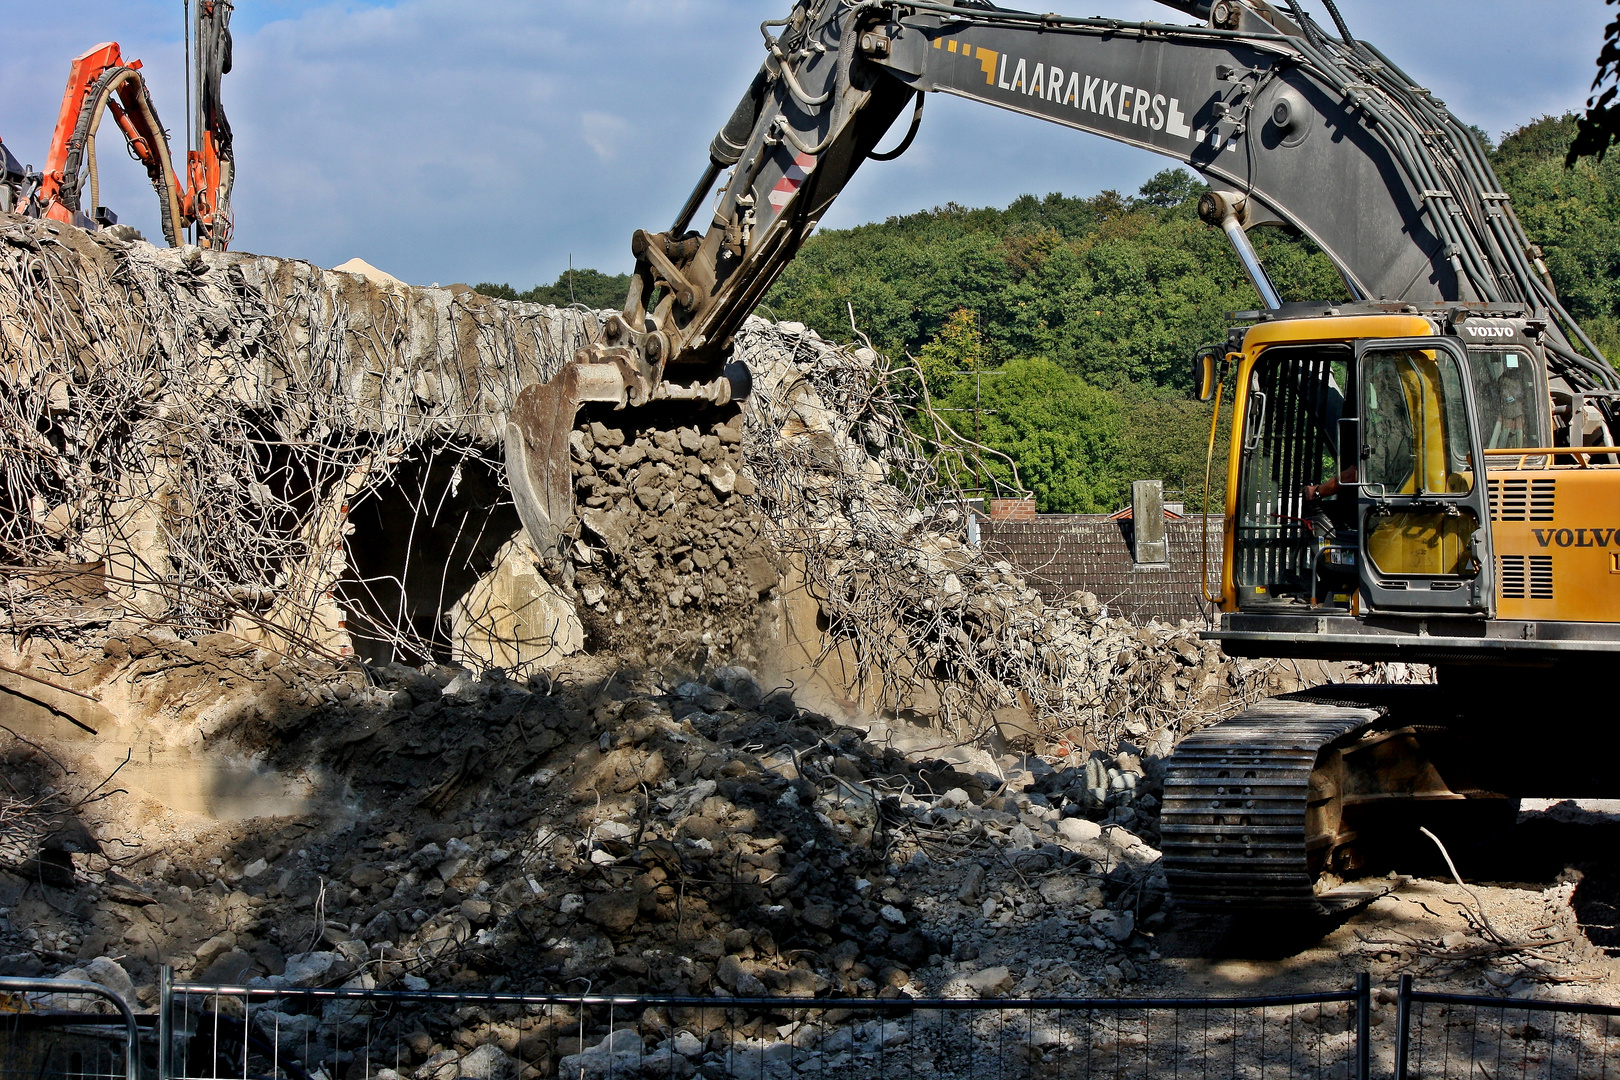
column 1251, row 819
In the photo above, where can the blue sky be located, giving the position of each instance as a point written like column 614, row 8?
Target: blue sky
column 452, row 141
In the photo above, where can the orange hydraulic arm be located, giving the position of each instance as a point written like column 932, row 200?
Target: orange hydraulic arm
column 101, row 81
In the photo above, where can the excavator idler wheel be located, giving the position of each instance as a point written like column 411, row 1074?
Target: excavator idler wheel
column 1283, row 807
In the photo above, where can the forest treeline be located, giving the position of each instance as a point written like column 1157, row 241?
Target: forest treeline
column 591, row 288
column 1061, row 329
column 1064, row 328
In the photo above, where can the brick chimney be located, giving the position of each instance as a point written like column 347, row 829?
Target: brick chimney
column 1012, row 509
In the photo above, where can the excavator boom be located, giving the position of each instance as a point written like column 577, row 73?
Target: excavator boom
column 1320, row 135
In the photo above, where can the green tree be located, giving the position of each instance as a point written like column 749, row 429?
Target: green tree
column 1114, row 288
column 592, row 288
column 1166, row 437
column 1573, row 213
column 957, row 348
column 1600, row 127
column 1062, row 432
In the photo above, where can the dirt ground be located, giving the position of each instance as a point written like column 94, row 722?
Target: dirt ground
column 386, row 779
column 630, row 831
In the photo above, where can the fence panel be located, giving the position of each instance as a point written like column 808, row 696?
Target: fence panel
column 1467, row 1037
column 220, row 1032
column 61, row 1029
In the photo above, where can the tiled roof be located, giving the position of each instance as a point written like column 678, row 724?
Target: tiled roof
column 1060, row 554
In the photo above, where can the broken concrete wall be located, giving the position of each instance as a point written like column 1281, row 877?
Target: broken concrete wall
column 231, row 442
column 887, row 609
column 197, row 425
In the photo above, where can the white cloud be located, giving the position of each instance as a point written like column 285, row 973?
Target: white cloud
column 604, row 133
column 443, row 140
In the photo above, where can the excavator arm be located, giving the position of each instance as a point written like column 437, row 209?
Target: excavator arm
column 1292, row 127
column 101, row 82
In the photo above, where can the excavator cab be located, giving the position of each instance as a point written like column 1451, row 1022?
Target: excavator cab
column 1392, row 422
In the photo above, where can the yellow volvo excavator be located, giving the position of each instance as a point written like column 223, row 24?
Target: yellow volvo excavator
column 1420, row 470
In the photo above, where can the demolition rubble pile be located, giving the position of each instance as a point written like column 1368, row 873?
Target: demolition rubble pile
column 682, row 532
column 850, row 500
column 620, row 828
column 615, row 830
column 189, row 436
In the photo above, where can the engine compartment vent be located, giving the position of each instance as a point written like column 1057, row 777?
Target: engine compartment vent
column 1519, row 576
column 1542, row 493
column 1541, row 580
column 1522, row 499
column 1510, row 575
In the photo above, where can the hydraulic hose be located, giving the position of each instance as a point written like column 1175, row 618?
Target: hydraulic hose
column 1501, row 227
column 905, row 143
column 1604, row 374
column 160, row 170
column 1486, row 243
column 1394, row 131
column 1338, row 20
column 792, row 81
column 838, row 83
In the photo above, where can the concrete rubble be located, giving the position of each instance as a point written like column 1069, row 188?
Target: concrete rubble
column 765, row 725
column 637, row 831
column 688, row 837
column 780, row 538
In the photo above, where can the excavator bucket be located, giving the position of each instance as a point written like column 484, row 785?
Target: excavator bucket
column 537, row 445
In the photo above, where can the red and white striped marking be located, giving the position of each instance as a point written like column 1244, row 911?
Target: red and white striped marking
column 789, row 184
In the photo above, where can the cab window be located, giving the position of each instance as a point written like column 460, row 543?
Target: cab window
column 1509, row 398
column 1415, row 415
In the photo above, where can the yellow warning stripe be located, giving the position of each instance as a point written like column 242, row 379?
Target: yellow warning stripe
column 986, row 57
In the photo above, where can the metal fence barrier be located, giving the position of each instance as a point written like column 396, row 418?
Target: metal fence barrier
column 1438, row 1036
column 62, row 1029
column 219, row 1032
